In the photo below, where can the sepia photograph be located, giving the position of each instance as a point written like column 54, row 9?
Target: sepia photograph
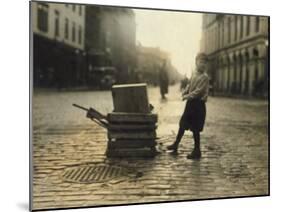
column 141, row 105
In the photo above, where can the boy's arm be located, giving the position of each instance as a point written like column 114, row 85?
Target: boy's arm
column 201, row 88
column 186, row 90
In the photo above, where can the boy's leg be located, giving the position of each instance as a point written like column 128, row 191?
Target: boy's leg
column 196, row 137
column 175, row 145
column 196, row 153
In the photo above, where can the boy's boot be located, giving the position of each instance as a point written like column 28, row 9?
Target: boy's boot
column 173, row 147
column 195, row 154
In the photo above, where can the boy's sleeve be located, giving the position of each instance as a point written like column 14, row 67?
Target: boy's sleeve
column 201, row 88
column 186, row 90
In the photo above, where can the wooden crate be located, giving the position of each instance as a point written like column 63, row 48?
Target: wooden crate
column 132, row 135
column 129, row 143
column 132, row 153
column 130, row 98
column 131, row 127
column 139, row 118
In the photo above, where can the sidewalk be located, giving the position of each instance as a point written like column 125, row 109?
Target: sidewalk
column 234, row 157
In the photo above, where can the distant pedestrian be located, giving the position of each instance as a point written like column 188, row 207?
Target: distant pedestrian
column 193, row 118
column 163, row 80
column 212, row 87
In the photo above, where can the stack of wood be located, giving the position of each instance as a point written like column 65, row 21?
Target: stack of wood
column 132, row 125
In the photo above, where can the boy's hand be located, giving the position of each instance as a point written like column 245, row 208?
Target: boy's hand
column 185, row 97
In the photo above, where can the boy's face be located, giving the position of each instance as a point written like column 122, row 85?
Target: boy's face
column 201, row 65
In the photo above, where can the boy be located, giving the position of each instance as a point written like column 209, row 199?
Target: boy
column 193, row 118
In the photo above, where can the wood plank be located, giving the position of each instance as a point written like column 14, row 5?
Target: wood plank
column 119, row 117
column 131, row 153
column 130, row 98
column 125, row 143
column 131, row 135
column 120, row 126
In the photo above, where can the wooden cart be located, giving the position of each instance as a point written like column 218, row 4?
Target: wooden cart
column 131, row 127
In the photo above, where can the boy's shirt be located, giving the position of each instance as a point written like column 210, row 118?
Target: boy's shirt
column 198, row 87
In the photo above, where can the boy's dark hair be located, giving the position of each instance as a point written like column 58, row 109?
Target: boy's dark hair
column 202, row 56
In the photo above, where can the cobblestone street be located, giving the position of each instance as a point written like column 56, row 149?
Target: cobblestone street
column 234, row 152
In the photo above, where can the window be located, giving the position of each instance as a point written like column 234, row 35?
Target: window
column 107, row 37
column 241, row 26
column 73, row 7
column 66, row 29
column 80, row 10
column 219, row 35
column 257, row 23
column 42, row 21
column 66, row 5
column 248, row 25
column 73, row 32
column 229, row 30
column 256, row 74
column 236, row 28
column 80, row 35
column 216, row 38
column 222, row 34
column 57, row 16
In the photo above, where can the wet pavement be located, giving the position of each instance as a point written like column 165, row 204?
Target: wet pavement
column 234, row 147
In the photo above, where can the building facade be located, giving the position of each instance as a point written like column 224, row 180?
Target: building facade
column 149, row 63
column 58, row 43
column 237, row 46
column 71, row 40
column 111, row 39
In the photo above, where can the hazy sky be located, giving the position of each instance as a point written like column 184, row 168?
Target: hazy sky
column 178, row 33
